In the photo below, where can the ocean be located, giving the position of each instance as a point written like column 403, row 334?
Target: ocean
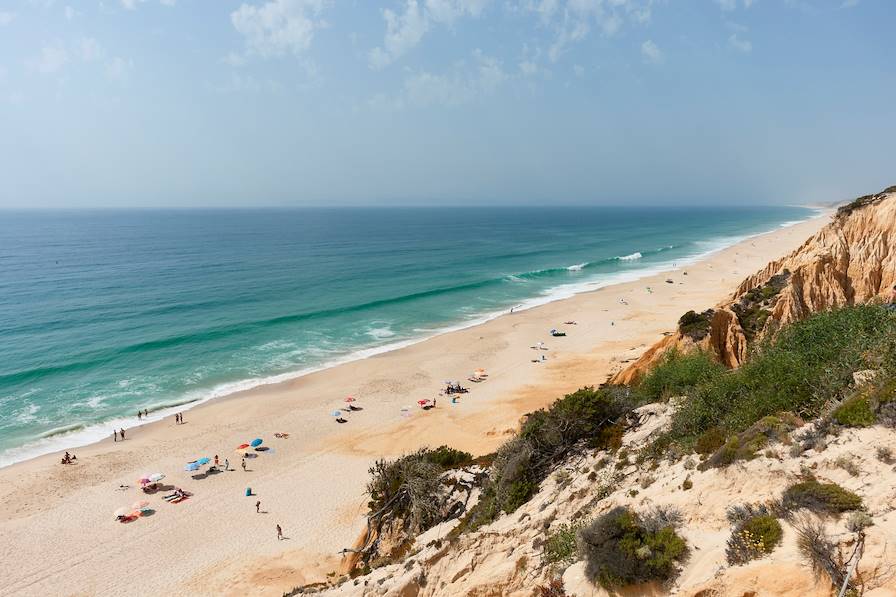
column 103, row 313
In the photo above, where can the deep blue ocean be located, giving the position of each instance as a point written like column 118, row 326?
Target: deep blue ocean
column 105, row 312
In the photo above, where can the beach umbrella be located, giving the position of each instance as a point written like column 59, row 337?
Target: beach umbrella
column 156, row 477
column 122, row 512
column 349, row 399
column 192, row 466
column 336, row 413
column 144, row 480
column 140, row 505
column 422, row 402
column 242, row 446
column 203, row 460
column 255, row 442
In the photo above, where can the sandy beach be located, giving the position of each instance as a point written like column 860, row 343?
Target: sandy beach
column 57, row 529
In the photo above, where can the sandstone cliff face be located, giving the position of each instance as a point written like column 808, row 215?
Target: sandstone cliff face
column 851, row 260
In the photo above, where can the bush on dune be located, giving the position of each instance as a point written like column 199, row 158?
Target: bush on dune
column 806, row 367
column 753, row 538
column 821, row 498
column 676, row 373
column 587, row 418
column 621, row 548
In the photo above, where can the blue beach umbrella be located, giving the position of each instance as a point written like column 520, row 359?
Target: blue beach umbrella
column 336, row 413
column 192, row 466
column 203, row 460
column 255, row 442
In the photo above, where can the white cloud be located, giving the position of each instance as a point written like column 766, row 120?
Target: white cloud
column 729, row 5
column 528, row 68
column 234, row 59
column 6, row 18
column 405, row 31
column 465, row 83
column 50, row 60
column 651, row 53
column 119, row 69
column 573, row 20
column 89, row 49
column 133, row 4
column 741, row 45
column 279, row 27
column 446, row 11
column 70, row 13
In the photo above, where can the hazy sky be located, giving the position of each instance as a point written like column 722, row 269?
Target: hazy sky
column 288, row 102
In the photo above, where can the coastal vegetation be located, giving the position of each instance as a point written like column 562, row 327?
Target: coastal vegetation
column 622, row 548
column 821, row 498
column 803, row 370
column 754, row 307
column 752, row 538
column 695, row 325
column 588, row 418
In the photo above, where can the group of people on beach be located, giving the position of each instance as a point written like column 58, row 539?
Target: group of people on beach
column 117, row 433
column 69, row 458
column 142, row 414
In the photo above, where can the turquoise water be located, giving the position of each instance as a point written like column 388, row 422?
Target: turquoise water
column 104, row 312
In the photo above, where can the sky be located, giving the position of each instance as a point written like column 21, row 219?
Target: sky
column 205, row 103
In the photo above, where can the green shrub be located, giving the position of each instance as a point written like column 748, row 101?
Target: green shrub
column 709, row 441
column 560, row 546
column 448, row 458
column 821, row 498
column 588, row 417
column 676, row 373
column 807, row 365
column 695, row 325
column 748, row 444
column 407, row 490
column 753, row 538
column 621, row 549
column 855, row 412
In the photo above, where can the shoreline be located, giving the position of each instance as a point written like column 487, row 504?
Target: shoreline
column 57, row 523
column 81, row 435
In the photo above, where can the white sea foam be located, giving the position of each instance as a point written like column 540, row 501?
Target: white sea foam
column 76, row 434
column 632, row 257
column 577, row 267
column 380, row 333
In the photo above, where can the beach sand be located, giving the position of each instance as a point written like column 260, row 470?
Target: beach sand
column 58, row 535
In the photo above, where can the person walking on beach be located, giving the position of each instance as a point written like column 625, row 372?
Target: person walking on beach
column 279, row 533
column 114, row 435
column 244, row 465
column 139, row 415
column 216, row 461
column 145, row 413
column 121, row 433
column 258, row 507
column 226, row 464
